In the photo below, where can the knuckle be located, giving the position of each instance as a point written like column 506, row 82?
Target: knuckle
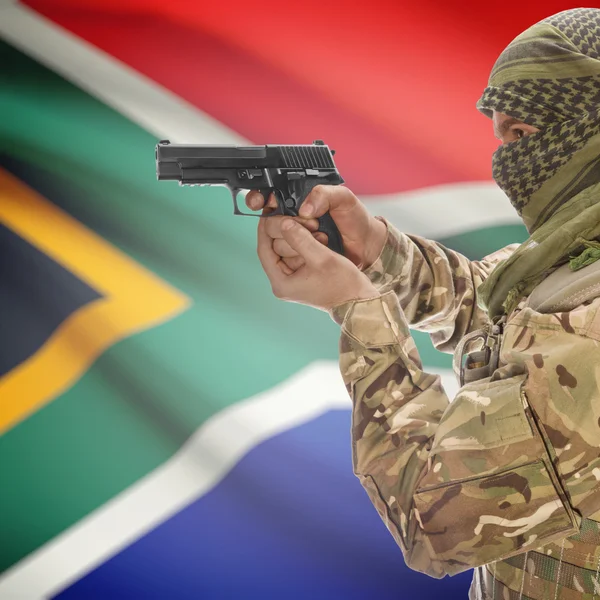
column 348, row 195
column 316, row 194
column 277, row 246
column 294, row 262
column 343, row 195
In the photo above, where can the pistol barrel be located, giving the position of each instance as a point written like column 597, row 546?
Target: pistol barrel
column 173, row 159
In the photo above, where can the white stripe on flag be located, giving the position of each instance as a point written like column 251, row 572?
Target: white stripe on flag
column 446, row 210
column 140, row 99
column 197, row 468
column 434, row 212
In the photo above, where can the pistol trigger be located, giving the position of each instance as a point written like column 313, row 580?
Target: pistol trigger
column 266, row 194
column 280, row 210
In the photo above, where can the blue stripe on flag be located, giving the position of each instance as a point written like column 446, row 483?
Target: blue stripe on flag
column 289, row 521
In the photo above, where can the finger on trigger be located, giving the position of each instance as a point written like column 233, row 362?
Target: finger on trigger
column 272, row 203
column 254, row 200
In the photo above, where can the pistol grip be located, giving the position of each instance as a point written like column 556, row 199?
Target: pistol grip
column 334, row 239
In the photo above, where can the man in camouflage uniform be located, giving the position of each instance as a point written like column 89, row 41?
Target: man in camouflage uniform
column 505, row 478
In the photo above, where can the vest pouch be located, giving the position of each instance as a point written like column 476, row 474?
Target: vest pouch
column 490, row 491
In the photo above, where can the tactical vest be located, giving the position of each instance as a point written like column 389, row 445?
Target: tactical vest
column 569, row 570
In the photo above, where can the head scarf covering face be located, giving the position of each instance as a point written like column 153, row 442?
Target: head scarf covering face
column 549, row 77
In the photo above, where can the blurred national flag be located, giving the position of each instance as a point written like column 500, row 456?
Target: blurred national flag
column 170, row 430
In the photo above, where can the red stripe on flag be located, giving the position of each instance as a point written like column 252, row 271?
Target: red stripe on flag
column 391, row 87
column 256, row 100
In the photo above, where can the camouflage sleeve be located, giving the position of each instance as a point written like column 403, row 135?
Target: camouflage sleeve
column 435, row 285
column 453, row 492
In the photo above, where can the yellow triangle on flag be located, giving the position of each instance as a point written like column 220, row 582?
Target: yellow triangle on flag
column 133, row 299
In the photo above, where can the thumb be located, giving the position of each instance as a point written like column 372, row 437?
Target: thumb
column 326, row 198
column 302, row 241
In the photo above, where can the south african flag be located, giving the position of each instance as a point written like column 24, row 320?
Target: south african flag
column 169, row 428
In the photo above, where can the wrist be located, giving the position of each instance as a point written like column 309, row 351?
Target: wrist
column 375, row 242
column 339, row 310
column 366, row 292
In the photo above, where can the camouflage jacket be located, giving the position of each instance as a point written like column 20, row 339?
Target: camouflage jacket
column 512, row 463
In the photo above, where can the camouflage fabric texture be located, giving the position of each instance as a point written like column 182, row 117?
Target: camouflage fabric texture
column 506, row 475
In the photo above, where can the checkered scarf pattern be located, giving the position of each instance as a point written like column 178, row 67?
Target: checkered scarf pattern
column 548, row 77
